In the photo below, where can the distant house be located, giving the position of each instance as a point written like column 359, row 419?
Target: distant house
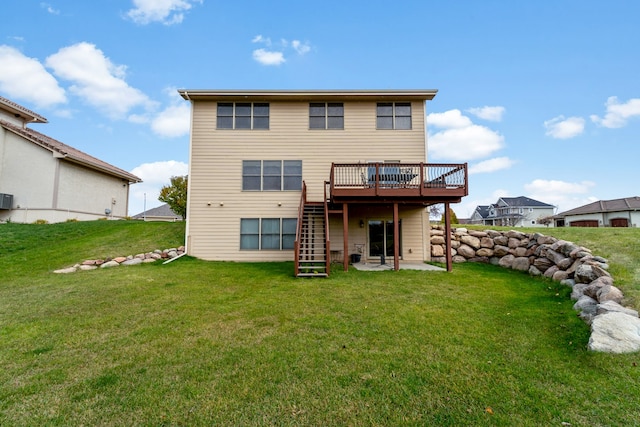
column 603, row 213
column 43, row 179
column 513, row 212
column 480, row 215
column 160, row 213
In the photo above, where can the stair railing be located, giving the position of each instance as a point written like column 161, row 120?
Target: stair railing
column 296, row 243
column 327, row 245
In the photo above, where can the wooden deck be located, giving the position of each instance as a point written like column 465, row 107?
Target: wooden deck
column 398, row 182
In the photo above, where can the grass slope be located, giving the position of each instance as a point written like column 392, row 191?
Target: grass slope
column 219, row 343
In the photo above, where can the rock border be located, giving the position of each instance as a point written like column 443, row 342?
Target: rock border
column 614, row 328
column 148, row 257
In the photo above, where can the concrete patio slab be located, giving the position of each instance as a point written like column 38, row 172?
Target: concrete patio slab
column 362, row 266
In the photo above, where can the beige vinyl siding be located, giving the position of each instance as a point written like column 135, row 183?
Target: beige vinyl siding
column 216, row 168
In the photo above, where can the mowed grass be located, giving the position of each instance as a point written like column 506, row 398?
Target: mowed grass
column 220, row 343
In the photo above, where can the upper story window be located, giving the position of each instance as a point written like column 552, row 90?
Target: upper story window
column 243, row 115
column 393, row 115
column 272, row 175
column 326, row 115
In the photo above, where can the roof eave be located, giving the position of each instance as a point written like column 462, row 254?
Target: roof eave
column 285, row 95
column 20, row 111
column 131, row 178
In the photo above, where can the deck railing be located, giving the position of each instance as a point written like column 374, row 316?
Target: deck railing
column 417, row 176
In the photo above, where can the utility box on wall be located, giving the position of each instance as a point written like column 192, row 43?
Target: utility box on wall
column 6, row 201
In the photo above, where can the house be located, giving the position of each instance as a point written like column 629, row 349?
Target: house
column 623, row 212
column 513, row 212
column 313, row 176
column 480, row 215
column 159, row 213
column 43, row 179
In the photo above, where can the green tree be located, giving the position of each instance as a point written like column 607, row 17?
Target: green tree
column 175, row 195
column 454, row 218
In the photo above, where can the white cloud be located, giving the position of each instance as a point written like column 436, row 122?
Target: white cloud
column 266, row 57
column 565, row 195
column 461, row 140
column 564, row 128
column 173, row 121
column 618, row 114
column 154, row 176
column 26, row 79
column 449, row 119
column 491, row 165
column 276, row 55
column 97, row 80
column 300, row 47
column 49, row 8
column 168, row 12
column 493, row 114
column 260, row 39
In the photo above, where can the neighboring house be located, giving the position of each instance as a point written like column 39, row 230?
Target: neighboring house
column 603, row 213
column 480, row 215
column 513, row 212
column 160, row 213
column 43, row 179
column 311, row 176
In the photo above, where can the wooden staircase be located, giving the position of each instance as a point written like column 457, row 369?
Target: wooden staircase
column 312, row 248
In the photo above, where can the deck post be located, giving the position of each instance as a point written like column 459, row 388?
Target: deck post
column 396, row 238
column 447, row 236
column 345, row 233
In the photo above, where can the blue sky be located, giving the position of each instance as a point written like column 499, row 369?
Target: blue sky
column 541, row 98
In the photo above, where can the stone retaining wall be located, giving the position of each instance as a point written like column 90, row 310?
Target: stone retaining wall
column 614, row 328
column 92, row 264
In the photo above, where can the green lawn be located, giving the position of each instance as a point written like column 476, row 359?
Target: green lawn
column 220, row 343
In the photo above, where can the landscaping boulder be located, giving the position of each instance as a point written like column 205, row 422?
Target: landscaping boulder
column 609, row 306
column 521, row 263
column 587, row 308
column 615, row 332
column 506, row 261
column 109, row 264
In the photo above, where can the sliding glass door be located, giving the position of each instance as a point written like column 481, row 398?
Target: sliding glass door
column 381, row 238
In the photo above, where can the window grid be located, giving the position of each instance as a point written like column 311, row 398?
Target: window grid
column 393, row 115
column 242, row 115
column 267, row 234
column 326, row 115
column 272, row 175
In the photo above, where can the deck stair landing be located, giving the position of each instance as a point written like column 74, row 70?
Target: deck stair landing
column 312, row 251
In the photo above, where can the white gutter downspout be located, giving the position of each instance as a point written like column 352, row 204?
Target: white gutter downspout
column 186, row 233
column 175, row 258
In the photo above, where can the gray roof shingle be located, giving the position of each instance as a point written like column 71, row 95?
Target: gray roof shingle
column 524, row 202
column 614, row 205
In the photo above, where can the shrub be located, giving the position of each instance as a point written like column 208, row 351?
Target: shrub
column 41, row 221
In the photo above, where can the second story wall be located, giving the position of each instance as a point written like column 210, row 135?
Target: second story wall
column 217, row 154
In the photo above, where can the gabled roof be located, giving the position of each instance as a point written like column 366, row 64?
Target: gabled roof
column 523, row 202
column 68, row 153
column 19, row 111
column 483, row 210
column 614, row 205
column 162, row 210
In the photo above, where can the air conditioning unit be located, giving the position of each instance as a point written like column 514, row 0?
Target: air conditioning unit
column 6, row 201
